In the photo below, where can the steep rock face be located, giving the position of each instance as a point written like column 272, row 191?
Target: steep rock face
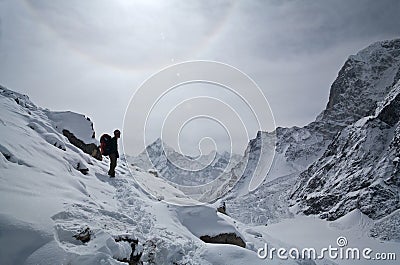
column 364, row 80
column 359, row 169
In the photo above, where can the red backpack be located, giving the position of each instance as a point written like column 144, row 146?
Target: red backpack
column 105, row 140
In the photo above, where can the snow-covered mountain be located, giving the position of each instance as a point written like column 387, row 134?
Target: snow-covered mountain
column 360, row 169
column 346, row 159
column 184, row 170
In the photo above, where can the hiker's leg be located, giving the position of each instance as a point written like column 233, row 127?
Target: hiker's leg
column 113, row 164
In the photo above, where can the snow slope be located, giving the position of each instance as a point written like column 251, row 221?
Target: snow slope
column 51, row 192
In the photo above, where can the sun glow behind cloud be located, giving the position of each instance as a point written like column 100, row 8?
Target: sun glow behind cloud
column 133, row 34
column 90, row 56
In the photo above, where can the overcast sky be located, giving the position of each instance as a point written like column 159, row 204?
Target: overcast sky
column 91, row 56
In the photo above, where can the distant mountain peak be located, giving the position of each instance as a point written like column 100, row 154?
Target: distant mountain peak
column 184, row 169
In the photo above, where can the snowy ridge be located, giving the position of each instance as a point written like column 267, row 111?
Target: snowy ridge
column 205, row 178
column 183, row 170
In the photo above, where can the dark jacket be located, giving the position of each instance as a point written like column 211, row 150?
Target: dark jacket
column 114, row 146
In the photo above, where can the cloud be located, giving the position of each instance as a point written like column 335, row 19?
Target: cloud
column 90, row 56
column 130, row 34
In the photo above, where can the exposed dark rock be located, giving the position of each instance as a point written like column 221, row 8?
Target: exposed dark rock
column 225, row 238
column 153, row 172
column 7, row 156
column 390, row 114
column 379, row 201
column 222, row 208
column 94, row 133
column 134, row 258
column 84, row 236
column 90, row 149
column 320, row 203
column 83, row 170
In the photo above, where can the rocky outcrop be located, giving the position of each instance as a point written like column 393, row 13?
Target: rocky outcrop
column 222, row 208
column 136, row 254
column 84, row 236
column 225, row 238
column 90, row 149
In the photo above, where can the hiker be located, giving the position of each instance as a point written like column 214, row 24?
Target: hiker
column 113, row 153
